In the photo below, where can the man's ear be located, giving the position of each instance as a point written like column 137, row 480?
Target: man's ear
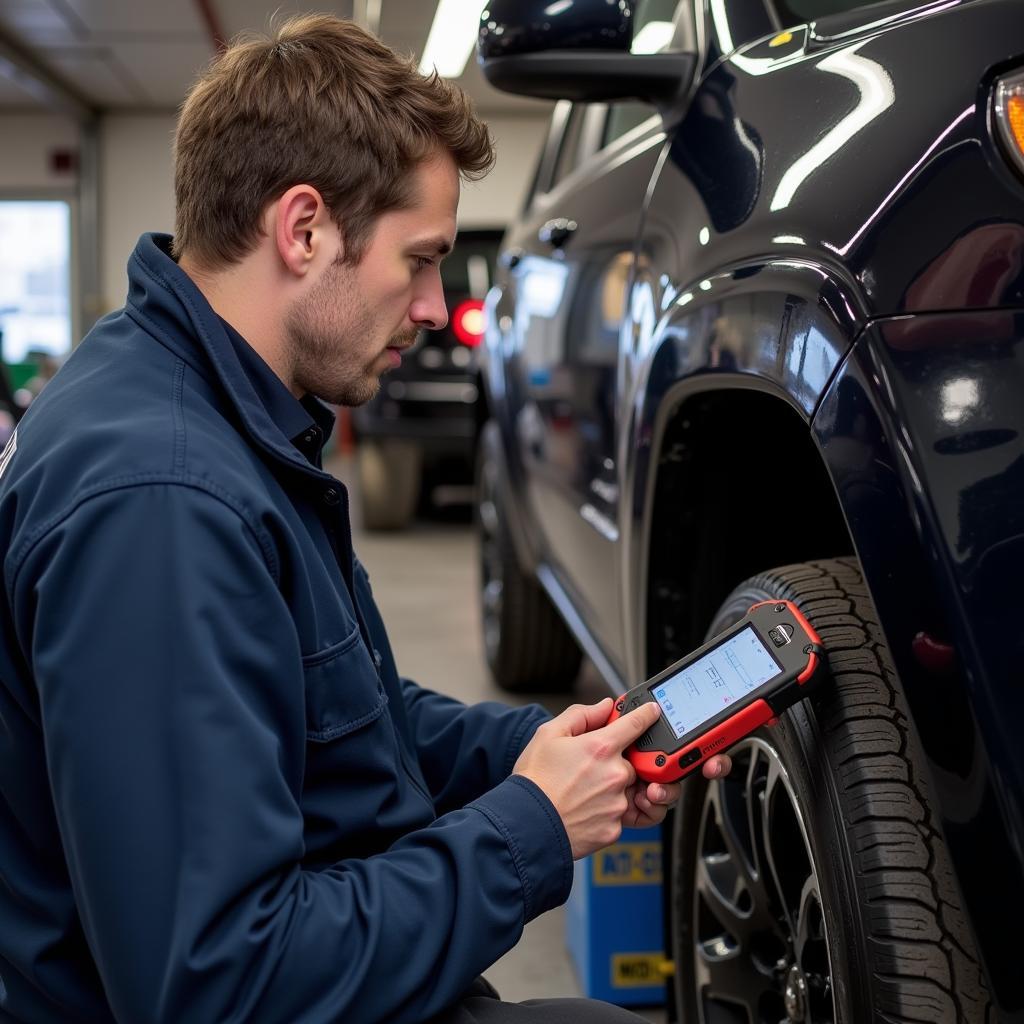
column 302, row 229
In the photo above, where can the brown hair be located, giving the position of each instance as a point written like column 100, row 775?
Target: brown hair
column 323, row 103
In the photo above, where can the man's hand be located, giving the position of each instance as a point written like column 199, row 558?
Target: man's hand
column 649, row 802
column 577, row 761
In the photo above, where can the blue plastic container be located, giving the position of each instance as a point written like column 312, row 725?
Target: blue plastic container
column 614, row 921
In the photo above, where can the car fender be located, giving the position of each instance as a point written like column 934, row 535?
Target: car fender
column 780, row 326
column 922, row 430
column 498, row 441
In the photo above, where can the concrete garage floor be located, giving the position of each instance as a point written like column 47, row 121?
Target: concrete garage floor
column 424, row 581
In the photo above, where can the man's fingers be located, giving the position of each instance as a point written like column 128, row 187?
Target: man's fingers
column 633, row 725
column 663, row 793
column 581, row 718
column 717, row 767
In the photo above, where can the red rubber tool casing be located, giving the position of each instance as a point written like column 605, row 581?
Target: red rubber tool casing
column 779, row 632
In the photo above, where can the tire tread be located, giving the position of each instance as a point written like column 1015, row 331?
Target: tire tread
column 918, row 939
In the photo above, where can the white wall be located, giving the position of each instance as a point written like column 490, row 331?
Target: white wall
column 26, row 141
column 136, row 192
column 137, row 181
column 494, row 201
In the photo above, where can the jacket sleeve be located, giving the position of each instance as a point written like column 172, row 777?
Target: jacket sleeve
column 466, row 750
column 171, row 700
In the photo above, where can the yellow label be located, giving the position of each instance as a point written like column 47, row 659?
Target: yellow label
column 781, row 39
column 637, row 970
column 628, row 864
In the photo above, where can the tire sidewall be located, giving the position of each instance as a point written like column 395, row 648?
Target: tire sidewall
column 796, row 739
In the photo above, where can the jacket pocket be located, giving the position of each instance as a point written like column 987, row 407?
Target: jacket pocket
column 343, row 690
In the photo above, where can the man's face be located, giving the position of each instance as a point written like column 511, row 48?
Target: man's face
column 354, row 322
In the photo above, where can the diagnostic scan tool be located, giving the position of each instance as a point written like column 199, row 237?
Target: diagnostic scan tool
column 737, row 682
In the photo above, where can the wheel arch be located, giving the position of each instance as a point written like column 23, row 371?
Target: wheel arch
column 738, row 485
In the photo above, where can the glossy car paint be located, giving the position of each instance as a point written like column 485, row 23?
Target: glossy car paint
column 921, row 431
column 515, row 26
column 831, row 226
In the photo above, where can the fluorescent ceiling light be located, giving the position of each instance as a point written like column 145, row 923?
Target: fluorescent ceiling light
column 452, row 37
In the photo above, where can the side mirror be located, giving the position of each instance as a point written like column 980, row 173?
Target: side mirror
column 576, row 50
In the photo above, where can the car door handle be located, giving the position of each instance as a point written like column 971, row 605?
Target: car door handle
column 511, row 258
column 557, row 232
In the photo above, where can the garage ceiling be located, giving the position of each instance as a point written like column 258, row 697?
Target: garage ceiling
column 141, row 55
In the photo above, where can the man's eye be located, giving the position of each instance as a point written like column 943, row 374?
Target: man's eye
column 423, row 261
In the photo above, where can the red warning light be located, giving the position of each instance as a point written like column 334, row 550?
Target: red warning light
column 468, row 322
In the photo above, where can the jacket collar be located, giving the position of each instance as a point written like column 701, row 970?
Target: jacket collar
column 167, row 303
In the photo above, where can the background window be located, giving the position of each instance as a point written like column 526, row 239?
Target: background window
column 35, row 282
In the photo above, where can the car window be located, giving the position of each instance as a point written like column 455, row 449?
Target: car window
column 584, row 133
column 653, row 25
column 624, row 117
column 652, row 31
column 570, row 151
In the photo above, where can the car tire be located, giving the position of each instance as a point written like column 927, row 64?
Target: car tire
column 812, row 883
column 390, row 473
column 528, row 647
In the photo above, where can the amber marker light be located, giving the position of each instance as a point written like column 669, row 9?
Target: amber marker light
column 1009, row 116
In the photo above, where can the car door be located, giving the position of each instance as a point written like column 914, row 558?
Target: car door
column 573, row 260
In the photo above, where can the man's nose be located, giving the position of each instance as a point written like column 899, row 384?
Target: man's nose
column 429, row 309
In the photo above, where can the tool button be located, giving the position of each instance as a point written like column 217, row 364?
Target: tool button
column 690, row 757
column 660, row 760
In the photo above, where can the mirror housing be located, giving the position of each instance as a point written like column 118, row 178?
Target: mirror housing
column 576, row 50
column 515, row 27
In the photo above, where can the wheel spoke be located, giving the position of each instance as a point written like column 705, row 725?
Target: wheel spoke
column 737, row 807
column 727, row 975
column 724, row 873
column 806, row 926
column 811, row 951
column 731, row 815
column 734, row 920
column 761, row 886
column 782, row 863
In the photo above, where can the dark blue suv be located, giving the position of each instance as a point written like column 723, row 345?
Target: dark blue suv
column 758, row 334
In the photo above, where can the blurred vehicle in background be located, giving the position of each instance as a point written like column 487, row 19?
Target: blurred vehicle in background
column 415, row 439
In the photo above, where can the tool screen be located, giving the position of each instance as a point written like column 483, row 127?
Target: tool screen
column 725, row 674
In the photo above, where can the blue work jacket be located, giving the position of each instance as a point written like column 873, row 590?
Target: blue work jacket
column 218, row 799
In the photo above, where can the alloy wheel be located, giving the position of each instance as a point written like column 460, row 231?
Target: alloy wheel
column 761, row 949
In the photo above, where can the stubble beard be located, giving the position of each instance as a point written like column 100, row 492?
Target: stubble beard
column 328, row 353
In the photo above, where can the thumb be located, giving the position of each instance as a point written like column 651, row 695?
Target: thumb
column 581, row 718
column 633, row 725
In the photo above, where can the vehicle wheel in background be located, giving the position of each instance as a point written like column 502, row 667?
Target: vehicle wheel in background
column 528, row 646
column 812, row 884
column 390, row 472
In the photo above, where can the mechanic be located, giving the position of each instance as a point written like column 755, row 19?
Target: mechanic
column 220, row 802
